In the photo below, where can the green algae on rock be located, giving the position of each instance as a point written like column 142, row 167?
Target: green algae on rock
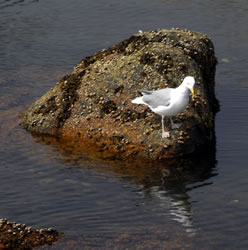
column 91, row 108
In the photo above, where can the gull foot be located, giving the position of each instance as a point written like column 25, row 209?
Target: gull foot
column 176, row 125
column 165, row 134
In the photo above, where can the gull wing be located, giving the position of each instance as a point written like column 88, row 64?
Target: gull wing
column 157, row 98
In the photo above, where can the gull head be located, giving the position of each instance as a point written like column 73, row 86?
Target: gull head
column 189, row 82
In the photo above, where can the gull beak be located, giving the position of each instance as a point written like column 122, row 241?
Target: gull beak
column 192, row 91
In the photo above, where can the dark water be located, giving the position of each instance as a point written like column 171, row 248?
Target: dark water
column 103, row 206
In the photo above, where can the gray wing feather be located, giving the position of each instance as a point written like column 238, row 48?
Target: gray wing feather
column 158, row 98
column 144, row 92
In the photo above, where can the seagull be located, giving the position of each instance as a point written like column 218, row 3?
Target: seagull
column 168, row 102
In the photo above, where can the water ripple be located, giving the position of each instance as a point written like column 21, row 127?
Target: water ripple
column 101, row 205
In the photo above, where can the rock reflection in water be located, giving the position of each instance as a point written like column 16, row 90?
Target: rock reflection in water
column 167, row 184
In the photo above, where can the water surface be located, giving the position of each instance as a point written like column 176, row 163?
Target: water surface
column 97, row 204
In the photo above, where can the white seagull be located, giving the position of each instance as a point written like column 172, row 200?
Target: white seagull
column 168, row 102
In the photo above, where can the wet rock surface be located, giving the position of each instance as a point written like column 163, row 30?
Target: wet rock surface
column 19, row 236
column 91, row 108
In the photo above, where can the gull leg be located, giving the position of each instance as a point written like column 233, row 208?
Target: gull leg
column 164, row 133
column 175, row 125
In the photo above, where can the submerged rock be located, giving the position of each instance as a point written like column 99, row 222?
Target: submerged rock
column 19, row 236
column 91, row 108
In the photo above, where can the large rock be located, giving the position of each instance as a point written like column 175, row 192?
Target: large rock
column 91, row 108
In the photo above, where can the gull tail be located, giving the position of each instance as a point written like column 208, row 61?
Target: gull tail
column 138, row 100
